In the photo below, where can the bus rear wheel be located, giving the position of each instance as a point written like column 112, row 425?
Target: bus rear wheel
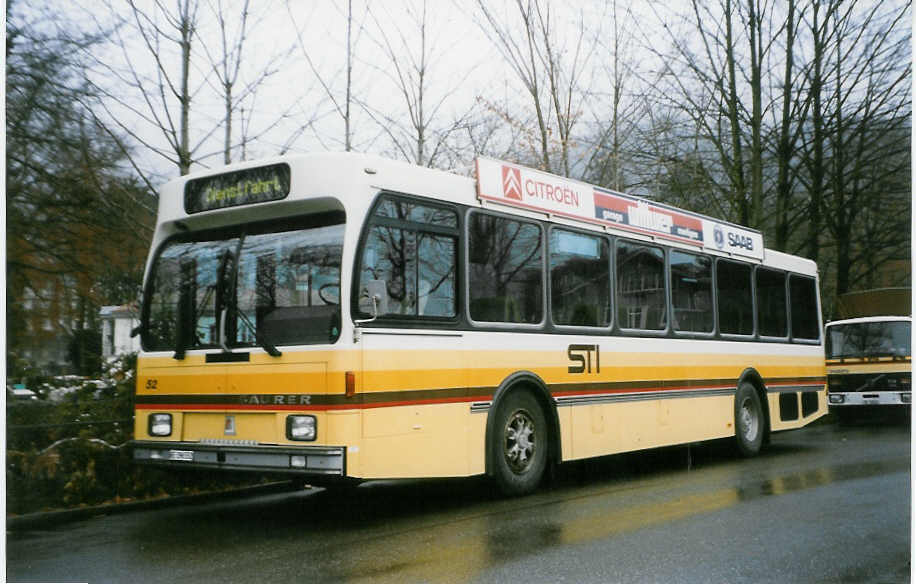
column 519, row 444
column 749, row 420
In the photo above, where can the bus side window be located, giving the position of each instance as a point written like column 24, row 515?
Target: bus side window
column 771, row 303
column 409, row 260
column 803, row 297
column 580, row 282
column 691, row 293
column 641, row 299
column 505, row 270
column 735, row 299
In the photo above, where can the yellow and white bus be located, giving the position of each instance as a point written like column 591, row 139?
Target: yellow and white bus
column 868, row 363
column 347, row 317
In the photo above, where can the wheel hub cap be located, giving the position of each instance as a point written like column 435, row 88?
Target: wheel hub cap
column 520, row 441
column 748, row 421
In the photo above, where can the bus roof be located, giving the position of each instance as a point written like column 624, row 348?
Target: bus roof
column 212, row 197
column 867, row 319
column 509, row 184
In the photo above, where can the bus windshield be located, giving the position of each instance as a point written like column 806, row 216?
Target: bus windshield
column 240, row 289
column 869, row 339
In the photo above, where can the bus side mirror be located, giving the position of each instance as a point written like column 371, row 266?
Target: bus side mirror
column 356, row 322
column 374, row 314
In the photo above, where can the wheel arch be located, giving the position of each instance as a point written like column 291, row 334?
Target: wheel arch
column 525, row 381
column 752, row 376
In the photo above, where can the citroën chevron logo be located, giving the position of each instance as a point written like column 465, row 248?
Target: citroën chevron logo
column 512, row 183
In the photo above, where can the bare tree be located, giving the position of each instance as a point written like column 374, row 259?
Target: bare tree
column 757, row 49
column 159, row 97
column 342, row 105
column 68, row 196
column 227, row 68
column 819, row 32
column 412, row 65
column 552, row 82
column 871, row 101
column 703, row 84
column 841, row 91
column 614, row 140
column 787, row 138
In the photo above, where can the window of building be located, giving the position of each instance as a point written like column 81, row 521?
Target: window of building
column 691, row 292
column 28, row 301
column 505, row 270
column 641, row 298
column 580, row 287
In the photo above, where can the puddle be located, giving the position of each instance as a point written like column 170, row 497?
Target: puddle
column 820, row 477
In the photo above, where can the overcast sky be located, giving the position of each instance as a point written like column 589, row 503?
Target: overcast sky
column 292, row 110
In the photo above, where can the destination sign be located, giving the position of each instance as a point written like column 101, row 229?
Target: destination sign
column 240, row 187
column 527, row 188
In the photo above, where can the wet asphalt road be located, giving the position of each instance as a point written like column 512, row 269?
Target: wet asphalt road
column 823, row 504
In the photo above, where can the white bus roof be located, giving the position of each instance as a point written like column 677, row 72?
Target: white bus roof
column 866, row 319
column 340, row 181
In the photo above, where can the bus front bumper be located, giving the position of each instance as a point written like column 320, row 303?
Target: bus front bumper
column 293, row 460
column 874, row 398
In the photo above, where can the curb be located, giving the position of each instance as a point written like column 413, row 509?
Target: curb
column 51, row 518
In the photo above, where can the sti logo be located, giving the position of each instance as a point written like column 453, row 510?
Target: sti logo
column 512, row 183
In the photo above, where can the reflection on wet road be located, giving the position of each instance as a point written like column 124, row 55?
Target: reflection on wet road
column 461, row 549
column 625, row 518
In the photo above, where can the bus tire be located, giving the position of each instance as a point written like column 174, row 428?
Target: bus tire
column 749, row 420
column 520, row 443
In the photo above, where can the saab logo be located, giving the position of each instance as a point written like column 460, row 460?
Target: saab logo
column 737, row 240
column 719, row 236
column 512, row 183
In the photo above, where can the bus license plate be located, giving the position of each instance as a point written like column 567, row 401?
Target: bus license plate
column 184, row 455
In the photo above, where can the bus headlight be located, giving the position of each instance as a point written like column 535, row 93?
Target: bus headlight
column 837, row 398
column 303, row 428
column 160, row 424
column 906, row 397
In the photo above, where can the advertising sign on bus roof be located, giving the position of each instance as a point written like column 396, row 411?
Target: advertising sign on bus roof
column 523, row 187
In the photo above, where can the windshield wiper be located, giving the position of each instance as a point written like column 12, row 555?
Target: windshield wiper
column 181, row 331
column 261, row 339
column 185, row 308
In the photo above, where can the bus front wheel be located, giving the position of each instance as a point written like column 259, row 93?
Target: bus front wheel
column 749, row 420
column 519, row 445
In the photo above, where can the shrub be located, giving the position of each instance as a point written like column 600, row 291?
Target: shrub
column 74, row 452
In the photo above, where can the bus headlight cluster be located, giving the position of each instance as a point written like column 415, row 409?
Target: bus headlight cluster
column 837, row 398
column 303, row 428
column 160, row 424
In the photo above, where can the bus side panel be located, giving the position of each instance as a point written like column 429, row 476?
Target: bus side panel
column 433, row 445
column 787, row 380
column 792, row 422
column 622, row 427
column 416, row 420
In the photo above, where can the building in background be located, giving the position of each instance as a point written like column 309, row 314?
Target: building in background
column 41, row 320
column 117, row 324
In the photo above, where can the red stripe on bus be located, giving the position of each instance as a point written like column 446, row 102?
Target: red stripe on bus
column 641, row 390
column 353, row 406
